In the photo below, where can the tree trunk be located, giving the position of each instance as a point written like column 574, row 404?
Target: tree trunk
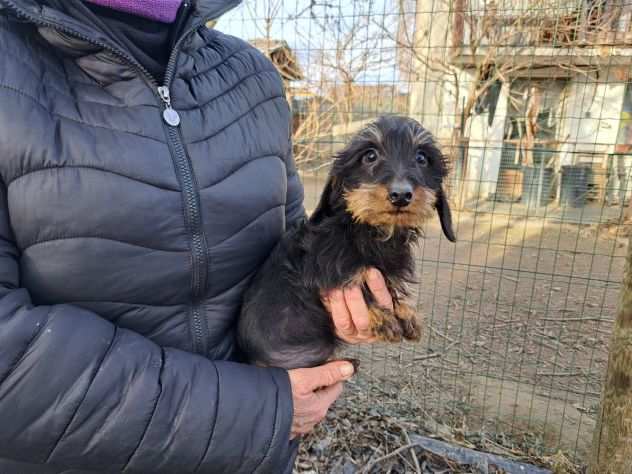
column 612, row 441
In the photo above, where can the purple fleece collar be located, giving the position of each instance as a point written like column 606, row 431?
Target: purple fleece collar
column 164, row 11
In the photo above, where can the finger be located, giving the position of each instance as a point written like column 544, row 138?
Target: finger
column 303, row 429
column 328, row 395
column 305, row 423
column 299, row 430
column 325, row 297
column 378, row 287
column 359, row 311
column 322, row 376
column 340, row 315
column 323, row 399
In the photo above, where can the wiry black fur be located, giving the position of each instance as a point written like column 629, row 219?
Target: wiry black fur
column 283, row 321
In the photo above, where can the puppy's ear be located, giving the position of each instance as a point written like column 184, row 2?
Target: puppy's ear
column 445, row 215
column 328, row 198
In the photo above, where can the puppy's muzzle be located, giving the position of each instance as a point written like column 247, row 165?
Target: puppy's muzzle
column 400, row 193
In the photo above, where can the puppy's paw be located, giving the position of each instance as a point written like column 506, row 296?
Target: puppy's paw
column 384, row 325
column 411, row 329
column 408, row 321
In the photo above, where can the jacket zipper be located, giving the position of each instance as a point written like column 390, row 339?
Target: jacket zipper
column 184, row 168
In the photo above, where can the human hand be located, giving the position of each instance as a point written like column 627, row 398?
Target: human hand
column 349, row 311
column 313, row 392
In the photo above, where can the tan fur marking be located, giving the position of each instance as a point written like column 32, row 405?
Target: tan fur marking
column 369, row 204
column 384, row 325
column 404, row 311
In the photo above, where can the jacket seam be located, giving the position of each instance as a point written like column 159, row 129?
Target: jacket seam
column 212, row 435
column 90, row 167
column 95, row 237
column 151, row 415
column 218, row 64
column 239, row 282
column 238, row 231
column 33, row 340
column 238, row 118
column 92, row 379
column 152, row 305
column 240, row 81
column 238, row 168
column 57, row 114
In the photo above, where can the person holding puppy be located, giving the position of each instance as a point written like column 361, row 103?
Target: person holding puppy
column 146, row 173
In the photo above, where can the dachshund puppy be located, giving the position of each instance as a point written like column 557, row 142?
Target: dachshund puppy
column 381, row 189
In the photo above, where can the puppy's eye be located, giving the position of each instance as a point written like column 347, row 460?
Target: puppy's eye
column 370, row 156
column 421, row 158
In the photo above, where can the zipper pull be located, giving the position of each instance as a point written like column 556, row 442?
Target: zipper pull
column 170, row 116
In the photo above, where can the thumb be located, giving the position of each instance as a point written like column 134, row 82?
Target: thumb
column 327, row 375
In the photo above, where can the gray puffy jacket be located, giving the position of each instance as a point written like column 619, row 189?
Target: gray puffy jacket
column 126, row 244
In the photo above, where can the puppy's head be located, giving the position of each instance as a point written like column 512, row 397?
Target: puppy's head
column 389, row 176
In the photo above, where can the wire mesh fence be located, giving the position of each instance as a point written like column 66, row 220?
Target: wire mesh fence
column 532, row 103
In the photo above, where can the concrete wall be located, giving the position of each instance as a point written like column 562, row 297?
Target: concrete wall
column 432, row 41
column 592, row 115
column 485, row 150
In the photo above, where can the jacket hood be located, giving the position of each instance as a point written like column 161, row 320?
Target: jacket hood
column 81, row 45
column 203, row 10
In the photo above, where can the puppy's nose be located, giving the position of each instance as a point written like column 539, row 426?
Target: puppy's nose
column 400, row 194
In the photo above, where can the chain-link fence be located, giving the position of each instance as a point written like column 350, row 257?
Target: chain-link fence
column 532, row 102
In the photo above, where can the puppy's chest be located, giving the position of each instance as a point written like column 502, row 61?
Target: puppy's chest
column 350, row 264
column 390, row 258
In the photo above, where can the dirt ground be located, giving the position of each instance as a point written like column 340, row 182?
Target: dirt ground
column 517, row 318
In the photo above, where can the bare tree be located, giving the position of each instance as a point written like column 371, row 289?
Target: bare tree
column 353, row 48
column 263, row 14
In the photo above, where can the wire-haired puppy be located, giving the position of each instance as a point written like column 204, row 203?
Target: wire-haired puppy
column 382, row 187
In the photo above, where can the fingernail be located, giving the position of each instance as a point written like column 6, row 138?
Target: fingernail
column 346, row 370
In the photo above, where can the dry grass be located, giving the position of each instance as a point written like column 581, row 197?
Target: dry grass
column 360, row 437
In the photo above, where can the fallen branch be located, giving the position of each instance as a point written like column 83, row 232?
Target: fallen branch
column 375, row 462
column 560, row 374
column 427, row 356
column 436, row 354
column 439, row 333
column 588, row 318
column 459, row 455
column 412, row 451
column 477, row 459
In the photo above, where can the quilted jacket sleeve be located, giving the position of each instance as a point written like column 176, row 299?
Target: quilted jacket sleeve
column 78, row 392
